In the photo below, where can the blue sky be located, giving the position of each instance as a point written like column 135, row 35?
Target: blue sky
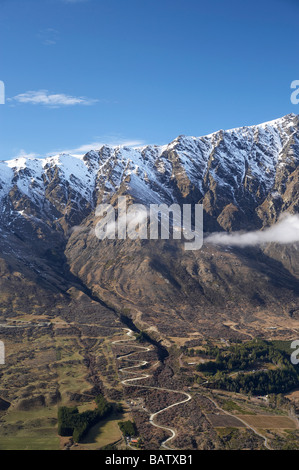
column 79, row 73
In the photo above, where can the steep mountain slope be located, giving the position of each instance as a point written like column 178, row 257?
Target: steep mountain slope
column 245, row 178
column 237, row 174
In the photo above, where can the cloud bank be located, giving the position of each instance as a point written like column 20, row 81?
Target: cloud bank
column 285, row 231
column 98, row 144
column 48, row 36
column 45, row 98
column 82, row 149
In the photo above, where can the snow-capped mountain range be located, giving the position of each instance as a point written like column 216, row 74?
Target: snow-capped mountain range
column 244, row 177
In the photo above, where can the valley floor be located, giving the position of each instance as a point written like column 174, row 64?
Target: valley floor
column 54, row 362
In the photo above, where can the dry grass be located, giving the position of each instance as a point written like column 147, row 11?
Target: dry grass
column 293, row 395
column 269, row 422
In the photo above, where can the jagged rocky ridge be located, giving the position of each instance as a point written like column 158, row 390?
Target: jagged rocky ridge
column 244, row 177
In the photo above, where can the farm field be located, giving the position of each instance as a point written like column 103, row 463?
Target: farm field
column 269, row 422
column 224, row 421
column 103, row 433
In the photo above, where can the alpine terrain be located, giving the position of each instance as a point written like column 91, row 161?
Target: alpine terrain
column 70, row 303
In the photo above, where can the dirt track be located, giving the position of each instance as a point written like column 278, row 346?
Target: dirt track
column 128, row 382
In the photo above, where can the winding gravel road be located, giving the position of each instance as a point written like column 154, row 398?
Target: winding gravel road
column 128, row 382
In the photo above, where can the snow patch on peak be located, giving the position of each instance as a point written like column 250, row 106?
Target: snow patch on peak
column 231, row 158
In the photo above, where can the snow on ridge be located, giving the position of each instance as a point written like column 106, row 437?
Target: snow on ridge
column 285, row 121
column 233, row 149
column 28, row 172
column 6, row 176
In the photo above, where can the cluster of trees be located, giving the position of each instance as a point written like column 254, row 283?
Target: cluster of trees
column 247, row 357
column 141, row 337
column 260, row 383
column 278, row 401
column 103, row 406
column 73, row 423
column 209, row 351
column 243, row 357
column 128, row 428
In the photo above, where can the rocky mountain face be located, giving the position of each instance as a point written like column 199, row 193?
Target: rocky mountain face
column 245, row 178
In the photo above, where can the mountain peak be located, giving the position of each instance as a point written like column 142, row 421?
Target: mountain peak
column 240, row 167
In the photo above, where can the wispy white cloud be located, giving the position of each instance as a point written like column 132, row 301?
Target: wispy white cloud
column 48, row 36
column 23, row 154
column 83, row 149
column 285, row 231
column 52, row 100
